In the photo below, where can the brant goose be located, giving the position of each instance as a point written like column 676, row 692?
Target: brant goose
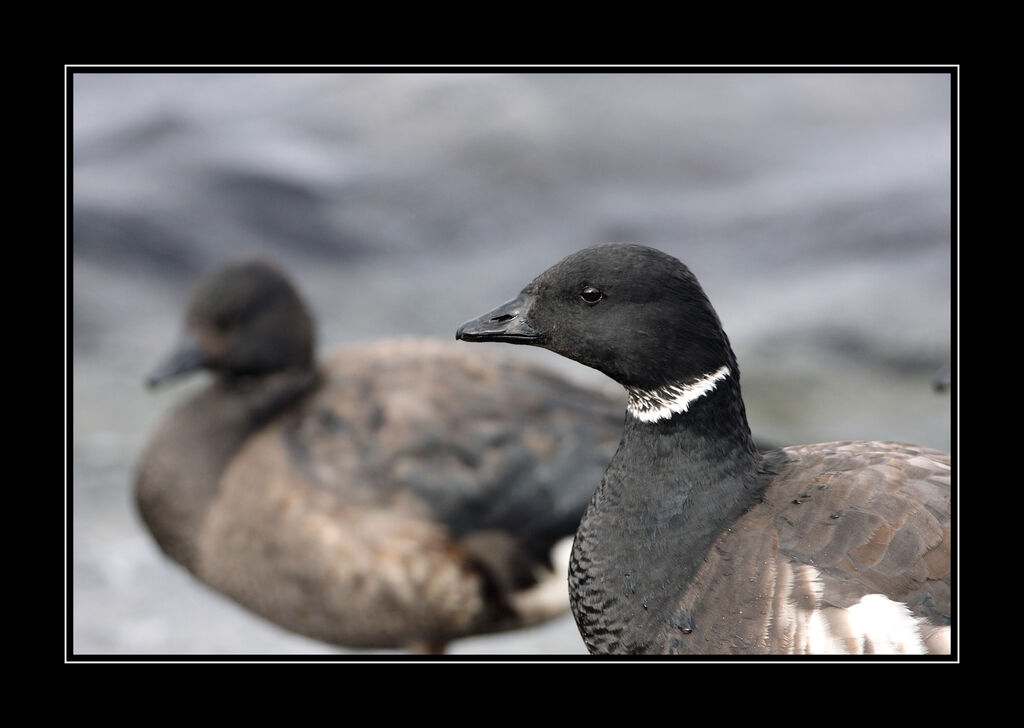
column 397, row 495
column 697, row 543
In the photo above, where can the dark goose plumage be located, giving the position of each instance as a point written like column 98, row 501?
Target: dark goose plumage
column 400, row 494
column 697, row 543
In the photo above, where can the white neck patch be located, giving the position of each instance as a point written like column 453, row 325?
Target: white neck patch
column 662, row 403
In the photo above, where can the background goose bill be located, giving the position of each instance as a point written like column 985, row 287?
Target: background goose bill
column 505, row 323
column 186, row 356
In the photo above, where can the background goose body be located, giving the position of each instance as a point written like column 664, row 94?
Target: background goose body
column 398, row 495
column 695, row 542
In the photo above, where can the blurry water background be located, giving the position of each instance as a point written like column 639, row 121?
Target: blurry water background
column 814, row 207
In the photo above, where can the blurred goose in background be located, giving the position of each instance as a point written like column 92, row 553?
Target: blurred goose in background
column 696, row 542
column 400, row 494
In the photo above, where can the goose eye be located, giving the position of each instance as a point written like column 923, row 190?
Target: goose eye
column 225, row 321
column 222, row 323
column 591, row 294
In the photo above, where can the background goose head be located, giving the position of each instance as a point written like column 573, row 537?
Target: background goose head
column 243, row 319
column 632, row 312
